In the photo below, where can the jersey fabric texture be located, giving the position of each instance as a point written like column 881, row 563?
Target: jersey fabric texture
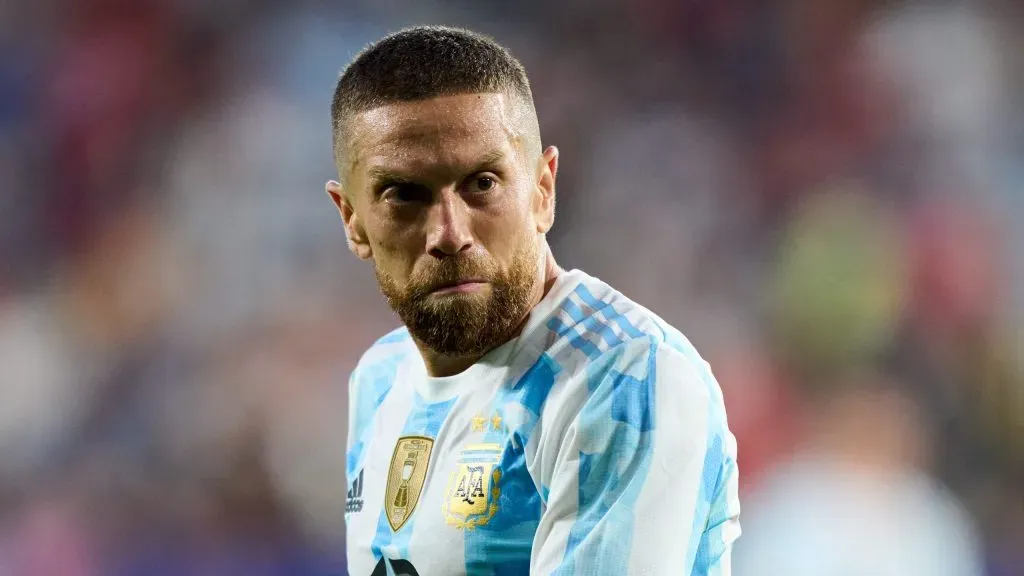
column 596, row 442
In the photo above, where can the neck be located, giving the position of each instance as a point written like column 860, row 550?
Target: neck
column 440, row 365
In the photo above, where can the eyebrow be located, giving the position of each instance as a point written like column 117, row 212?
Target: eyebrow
column 489, row 159
column 383, row 174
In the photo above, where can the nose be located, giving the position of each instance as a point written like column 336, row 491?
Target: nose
column 448, row 226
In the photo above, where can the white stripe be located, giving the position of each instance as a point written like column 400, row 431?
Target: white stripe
column 666, row 505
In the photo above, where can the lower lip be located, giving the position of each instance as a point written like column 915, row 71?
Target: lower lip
column 460, row 288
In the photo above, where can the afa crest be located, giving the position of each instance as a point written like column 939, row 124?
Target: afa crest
column 473, row 490
column 405, row 478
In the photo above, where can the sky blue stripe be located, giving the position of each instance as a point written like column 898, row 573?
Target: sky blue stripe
column 425, row 419
column 503, row 546
column 713, row 544
column 632, row 400
column 573, row 309
column 699, row 551
column 372, row 385
column 609, row 312
column 578, row 340
column 613, row 315
column 383, row 535
column 592, row 321
column 532, row 389
column 615, row 457
column 580, row 343
column 626, row 326
column 703, row 558
column 581, row 324
column 588, row 298
column 717, row 466
column 556, row 325
column 603, row 329
column 354, row 458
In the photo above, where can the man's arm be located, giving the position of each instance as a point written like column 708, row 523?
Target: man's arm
column 350, row 436
column 644, row 480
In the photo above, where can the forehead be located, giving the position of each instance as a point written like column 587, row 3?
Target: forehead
column 444, row 131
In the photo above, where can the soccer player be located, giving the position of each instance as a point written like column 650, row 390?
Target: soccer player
column 525, row 419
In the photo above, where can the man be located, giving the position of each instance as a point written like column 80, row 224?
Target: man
column 526, row 419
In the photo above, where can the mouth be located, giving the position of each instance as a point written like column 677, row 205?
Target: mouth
column 459, row 286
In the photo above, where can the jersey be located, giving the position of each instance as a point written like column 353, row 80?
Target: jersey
column 595, row 442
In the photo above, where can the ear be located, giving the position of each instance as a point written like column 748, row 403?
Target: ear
column 544, row 200
column 354, row 231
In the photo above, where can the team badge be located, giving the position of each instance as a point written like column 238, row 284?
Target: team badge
column 405, row 478
column 473, row 490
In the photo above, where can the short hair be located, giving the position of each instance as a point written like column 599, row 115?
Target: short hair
column 421, row 63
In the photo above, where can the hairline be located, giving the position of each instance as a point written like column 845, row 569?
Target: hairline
column 342, row 124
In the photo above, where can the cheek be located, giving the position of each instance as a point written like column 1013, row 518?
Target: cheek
column 395, row 248
column 505, row 229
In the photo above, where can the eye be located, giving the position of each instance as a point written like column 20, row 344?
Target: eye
column 403, row 193
column 481, row 184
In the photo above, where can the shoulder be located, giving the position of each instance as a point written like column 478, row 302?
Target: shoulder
column 382, row 359
column 615, row 354
column 596, row 328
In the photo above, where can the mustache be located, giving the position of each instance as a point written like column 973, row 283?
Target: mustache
column 447, row 272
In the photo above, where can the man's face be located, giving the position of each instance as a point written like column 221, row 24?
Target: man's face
column 451, row 201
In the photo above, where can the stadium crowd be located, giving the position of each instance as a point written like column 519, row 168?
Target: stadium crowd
column 826, row 197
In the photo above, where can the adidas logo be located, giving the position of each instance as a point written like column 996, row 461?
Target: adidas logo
column 354, row 503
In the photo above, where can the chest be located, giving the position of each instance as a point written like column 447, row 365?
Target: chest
column 443, row 488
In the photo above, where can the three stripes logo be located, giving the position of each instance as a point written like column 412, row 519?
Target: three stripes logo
column 354, row 503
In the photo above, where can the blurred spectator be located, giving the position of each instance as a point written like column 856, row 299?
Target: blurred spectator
column 824, row 195
column 855, row 501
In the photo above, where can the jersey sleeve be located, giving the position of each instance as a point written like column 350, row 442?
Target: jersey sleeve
column 353, row 403
column 644, row 478
column 368, row 385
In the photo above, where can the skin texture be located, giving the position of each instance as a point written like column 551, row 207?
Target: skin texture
column 451, row 199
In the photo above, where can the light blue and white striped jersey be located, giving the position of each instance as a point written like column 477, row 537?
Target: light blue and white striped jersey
column 594, row 443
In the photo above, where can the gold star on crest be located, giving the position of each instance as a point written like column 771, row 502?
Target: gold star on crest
column 496, row 421
column 478, row 423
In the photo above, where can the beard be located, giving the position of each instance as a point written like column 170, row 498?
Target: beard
column 465, row 324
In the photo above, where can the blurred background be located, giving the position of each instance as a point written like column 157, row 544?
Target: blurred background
column 826, row 196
